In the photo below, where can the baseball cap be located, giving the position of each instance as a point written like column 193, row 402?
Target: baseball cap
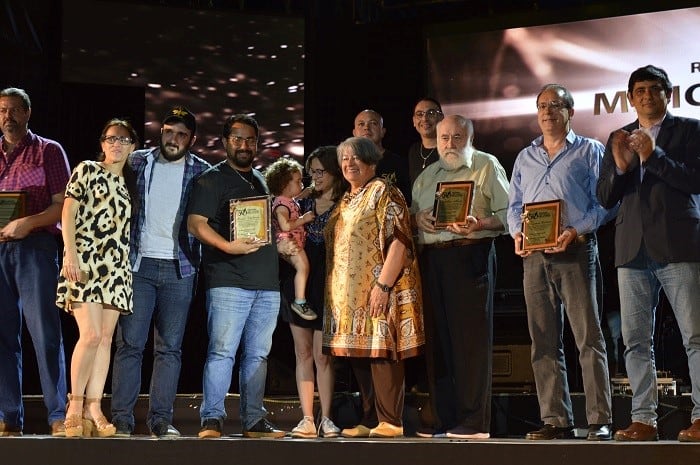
column 182, row 115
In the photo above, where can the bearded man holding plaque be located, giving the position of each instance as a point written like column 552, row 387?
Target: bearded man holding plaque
column 457, row 263
column 553, row 214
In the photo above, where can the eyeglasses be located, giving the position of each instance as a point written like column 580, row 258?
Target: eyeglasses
column 238, row 140
column 111, row 140
column 554, row 105
column 432, row 113
column 314, row 172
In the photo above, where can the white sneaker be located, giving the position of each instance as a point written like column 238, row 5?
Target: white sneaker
column 305, row 428
column 327, row 429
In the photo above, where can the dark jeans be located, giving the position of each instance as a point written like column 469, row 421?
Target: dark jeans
column 28, row 278
column 160, row 296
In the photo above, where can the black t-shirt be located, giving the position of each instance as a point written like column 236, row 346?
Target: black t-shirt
column 419, row 158
column 391, row 163
column 210, row 198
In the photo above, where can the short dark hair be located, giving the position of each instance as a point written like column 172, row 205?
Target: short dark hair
column 428, row 99
column 650, row 73
column 240, row 118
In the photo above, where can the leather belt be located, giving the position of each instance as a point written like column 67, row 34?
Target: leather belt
column 583, row 238
column 457, row 243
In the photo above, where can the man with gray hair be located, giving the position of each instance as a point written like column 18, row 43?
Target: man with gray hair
column 458, row 311
column 562, row 166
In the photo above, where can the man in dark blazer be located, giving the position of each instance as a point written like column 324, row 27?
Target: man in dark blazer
column 652, row 167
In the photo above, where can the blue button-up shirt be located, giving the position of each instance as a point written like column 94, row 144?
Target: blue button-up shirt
column 189, row 248
column 570, row 176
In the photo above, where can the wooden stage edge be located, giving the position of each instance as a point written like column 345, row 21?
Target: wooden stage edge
column 513, row 415
column 43, row 450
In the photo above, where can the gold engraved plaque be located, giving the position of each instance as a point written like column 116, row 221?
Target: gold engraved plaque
column 541, row 224
column 13, row 205
column 250, row 217
column 453, row 203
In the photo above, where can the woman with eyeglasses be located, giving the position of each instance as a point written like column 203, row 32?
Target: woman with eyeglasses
column 326, row 189
column 95, row 281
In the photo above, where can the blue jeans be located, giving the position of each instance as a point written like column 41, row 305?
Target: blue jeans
column 554, row 284
column 236, row 317
column 159, row 295
column 28, row 278
column 640, row 283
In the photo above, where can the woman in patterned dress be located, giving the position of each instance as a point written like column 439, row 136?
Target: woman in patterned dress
column 373, row 295
column 95, row 282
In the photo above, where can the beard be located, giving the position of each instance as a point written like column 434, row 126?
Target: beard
column 241, row 158
column 451, row 160
column 170, row 154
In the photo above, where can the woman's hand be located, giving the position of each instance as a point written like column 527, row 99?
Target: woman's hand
column 71, row 267
column 378, row 302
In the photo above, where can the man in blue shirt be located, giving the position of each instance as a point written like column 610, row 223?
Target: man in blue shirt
column 165, row 259
column 560, row 165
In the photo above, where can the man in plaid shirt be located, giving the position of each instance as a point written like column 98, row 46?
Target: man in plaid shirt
column 29, row 263
column 165, row 260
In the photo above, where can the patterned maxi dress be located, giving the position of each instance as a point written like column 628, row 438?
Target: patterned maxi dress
column 358, row 236
column 102, row 239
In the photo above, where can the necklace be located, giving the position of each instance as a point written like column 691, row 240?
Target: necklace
column 241, row 176
column 425, row 158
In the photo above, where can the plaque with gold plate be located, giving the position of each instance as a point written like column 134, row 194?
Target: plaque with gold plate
column 541, row 224
column 250, row 218
column 453, row 203
column 13, row 205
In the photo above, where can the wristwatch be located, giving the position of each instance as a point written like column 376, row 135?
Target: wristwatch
column 383, row 287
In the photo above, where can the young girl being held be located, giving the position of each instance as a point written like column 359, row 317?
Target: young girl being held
column 284, row 181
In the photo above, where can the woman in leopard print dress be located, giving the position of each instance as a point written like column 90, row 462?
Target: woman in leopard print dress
column 95, row 282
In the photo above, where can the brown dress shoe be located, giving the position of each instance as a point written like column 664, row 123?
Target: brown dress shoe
column 637, row 432
column 691, row 434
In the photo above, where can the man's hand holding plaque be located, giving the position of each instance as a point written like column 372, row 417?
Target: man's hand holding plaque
column 13, row 205
column 541, row 230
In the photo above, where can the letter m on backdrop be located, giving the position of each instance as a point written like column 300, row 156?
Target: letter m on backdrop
column 620, row 97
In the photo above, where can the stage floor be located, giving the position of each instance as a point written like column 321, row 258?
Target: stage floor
column 513, row 415
column 138, row 450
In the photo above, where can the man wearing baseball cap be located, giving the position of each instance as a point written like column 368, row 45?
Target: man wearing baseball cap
column 165, row 259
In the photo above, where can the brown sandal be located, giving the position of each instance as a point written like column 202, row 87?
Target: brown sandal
column 96, row 427
column 74, row 423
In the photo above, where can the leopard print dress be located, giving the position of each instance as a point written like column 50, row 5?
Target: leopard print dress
column 102, row 239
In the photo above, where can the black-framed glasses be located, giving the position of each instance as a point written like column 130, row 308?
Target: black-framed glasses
column 432, row 113
column 238, row 140
column 554, row 105
column 319, row 172
column 111, row 140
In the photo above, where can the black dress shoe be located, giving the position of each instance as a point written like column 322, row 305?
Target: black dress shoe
column 599, row 433
column 551, row 432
